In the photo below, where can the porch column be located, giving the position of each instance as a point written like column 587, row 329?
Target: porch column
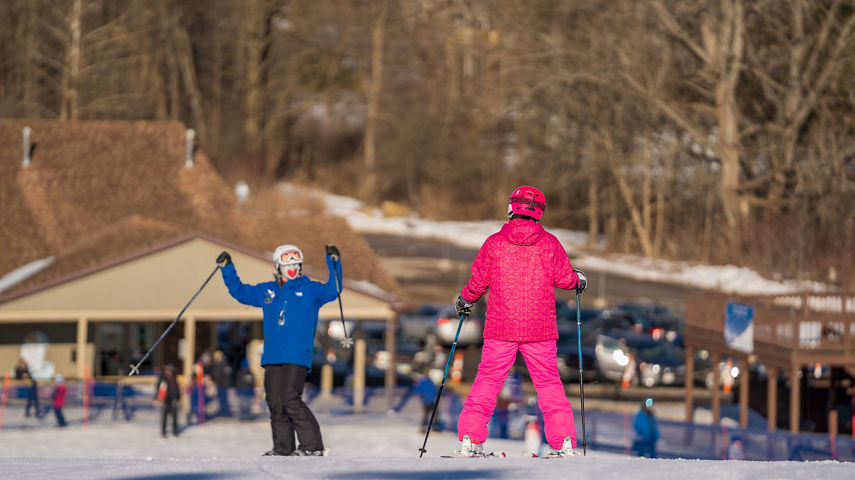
column 743, row 392
column 795, row 408
column 392, row 348
column 189, row 347
column 690, row 381
column 716, row 391
column 326, row 381
column 82, row 332
column 771, row 398
column 358, row 375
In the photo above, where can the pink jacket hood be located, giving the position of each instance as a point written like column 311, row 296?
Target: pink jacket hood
column 520, row 266
column 522, row 232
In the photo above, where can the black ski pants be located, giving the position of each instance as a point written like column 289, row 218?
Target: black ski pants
column 167, row 410
column 283, row 387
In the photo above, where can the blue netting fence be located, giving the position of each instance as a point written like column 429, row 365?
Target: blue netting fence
column 611, row 431
column 605, row 431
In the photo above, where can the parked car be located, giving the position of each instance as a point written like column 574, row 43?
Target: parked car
column 657, row 362
column 421, row 321
column 729, row 370
column 657, row 321
column 566, row 311
column 615, row 322
column 568, row 353
column 441, row 320
column 613, row 356
column 471, row 332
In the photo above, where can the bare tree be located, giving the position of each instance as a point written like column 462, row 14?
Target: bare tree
column 373, row 85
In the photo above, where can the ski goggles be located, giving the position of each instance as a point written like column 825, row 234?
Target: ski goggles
column 290, row 256
column 532, row 203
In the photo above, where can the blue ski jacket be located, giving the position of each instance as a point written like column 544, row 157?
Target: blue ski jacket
column 290, row 312
column 646, row 428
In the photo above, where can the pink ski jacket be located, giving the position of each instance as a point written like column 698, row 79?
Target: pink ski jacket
column 520, row 265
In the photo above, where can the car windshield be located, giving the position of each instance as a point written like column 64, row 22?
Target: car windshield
column 609, row 343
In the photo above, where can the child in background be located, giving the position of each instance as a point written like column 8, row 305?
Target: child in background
column 424, row 387
column 59, row 399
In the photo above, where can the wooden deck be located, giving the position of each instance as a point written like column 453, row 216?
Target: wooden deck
column 790, row 331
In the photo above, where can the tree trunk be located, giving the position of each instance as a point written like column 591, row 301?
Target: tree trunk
column 593, row 208
column 217, row 98
column 252, row 101
column 184, row 58
column 637, row 221
column 30, row 60
column 373, row 87
column 70, row 106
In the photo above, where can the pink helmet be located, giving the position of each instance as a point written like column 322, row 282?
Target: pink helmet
column 527, row 201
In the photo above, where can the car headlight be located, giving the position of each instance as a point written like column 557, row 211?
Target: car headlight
column 668, row 376
column 620, row 358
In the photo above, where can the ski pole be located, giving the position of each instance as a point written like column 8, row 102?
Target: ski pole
column 347, row 342
column 581, row 383
column 442, row 385
column 135, row 369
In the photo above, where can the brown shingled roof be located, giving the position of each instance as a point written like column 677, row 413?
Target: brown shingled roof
column 98, row 191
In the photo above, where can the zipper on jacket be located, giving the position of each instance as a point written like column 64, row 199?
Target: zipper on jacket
column 282, row 313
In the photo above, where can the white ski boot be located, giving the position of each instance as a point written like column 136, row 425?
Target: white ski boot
column 469, row 449
column 566, row 450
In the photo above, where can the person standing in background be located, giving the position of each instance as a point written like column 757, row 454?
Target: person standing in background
column 646, row 430
column 59, row 399
column 167, row 393
column 22, row 372
column 221, row 374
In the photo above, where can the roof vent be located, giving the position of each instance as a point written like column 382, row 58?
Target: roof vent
column 242, row 193
column 28, row 147
column 190, row 148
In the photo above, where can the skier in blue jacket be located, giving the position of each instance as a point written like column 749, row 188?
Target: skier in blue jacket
column 646, row 430
column 290, row 304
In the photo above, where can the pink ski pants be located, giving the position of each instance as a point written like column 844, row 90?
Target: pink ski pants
column 497, row 357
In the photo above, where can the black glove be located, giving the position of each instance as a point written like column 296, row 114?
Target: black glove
column 463, row 306
column 333, row 252
column 224, row 259
column 583, row 281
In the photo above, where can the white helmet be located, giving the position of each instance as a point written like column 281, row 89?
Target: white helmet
column 288, row 261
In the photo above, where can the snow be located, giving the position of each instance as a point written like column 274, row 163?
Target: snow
column 24, row 272
column 726, row 278
column 375, row 444
column 371, row 445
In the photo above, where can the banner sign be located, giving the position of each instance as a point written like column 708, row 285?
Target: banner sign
column 739, row 327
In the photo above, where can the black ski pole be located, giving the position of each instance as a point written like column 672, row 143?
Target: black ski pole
column 136, row 368
column 442, row 385
column 347, row 342
column 581, row 383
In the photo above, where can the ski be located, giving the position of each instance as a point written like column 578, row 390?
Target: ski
column 547, row 457
column 484, row 455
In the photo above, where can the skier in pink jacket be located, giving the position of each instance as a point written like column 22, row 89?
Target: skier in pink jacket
column 520, row 265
